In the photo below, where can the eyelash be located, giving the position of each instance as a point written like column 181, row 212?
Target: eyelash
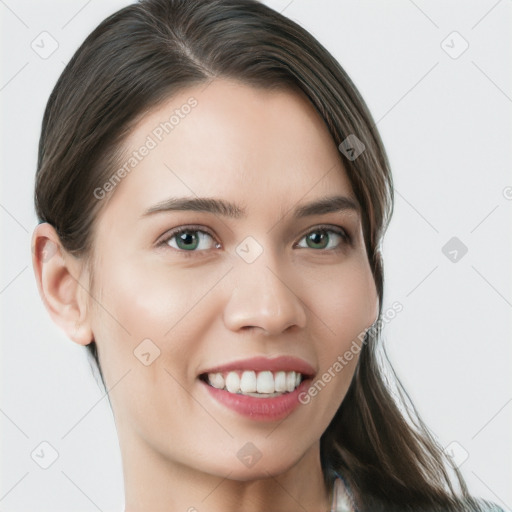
column 325, row 228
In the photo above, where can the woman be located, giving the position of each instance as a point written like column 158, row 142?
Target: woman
column 212, row 194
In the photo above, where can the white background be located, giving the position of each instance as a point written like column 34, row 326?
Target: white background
column 446, row 124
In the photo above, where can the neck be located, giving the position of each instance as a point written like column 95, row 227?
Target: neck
column 153, row 482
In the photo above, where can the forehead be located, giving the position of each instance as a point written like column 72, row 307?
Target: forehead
column 231, row 140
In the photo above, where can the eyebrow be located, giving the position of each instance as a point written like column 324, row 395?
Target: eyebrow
column 227, row 209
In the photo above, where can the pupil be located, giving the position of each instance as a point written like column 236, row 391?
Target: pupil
column 317, row 238
column 187, row 238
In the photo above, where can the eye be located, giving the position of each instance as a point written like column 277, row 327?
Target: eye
column 326, row 237
column 189, row 239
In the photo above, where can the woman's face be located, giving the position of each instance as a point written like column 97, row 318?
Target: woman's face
column 249, row 293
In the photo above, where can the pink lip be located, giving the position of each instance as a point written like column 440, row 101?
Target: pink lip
column 262, row 409
column 259, row 409
column 258, row 364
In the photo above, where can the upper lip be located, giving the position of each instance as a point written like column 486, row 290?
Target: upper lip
column 274, row 364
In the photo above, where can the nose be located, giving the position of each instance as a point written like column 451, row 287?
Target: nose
column 263, row 298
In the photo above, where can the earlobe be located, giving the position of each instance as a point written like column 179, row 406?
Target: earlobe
column 57, row 275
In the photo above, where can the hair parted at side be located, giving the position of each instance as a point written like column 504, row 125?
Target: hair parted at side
column 141, row 56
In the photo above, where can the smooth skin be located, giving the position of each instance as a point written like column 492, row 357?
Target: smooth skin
column 202, row 304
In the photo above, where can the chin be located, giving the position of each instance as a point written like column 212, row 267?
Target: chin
column 255, row 466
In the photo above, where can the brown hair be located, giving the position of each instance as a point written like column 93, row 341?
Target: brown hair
column 146, row 52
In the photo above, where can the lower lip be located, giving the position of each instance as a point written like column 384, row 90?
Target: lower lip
column 260, row 409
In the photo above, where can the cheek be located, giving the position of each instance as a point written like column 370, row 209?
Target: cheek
column 343, row 304
column 143, row 301
column 343, row 299
column 346, row 306
column 171, row 305
column 150, row 324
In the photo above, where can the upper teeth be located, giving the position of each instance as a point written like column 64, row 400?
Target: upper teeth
column 247, row 382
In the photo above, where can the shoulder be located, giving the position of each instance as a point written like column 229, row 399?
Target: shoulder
column 475, row 504
column 487, row 506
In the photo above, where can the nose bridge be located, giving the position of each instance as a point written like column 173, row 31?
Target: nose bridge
column 261, row 295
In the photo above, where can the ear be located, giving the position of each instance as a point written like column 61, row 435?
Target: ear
column 63, row 284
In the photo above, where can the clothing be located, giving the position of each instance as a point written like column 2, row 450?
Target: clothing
column 342, row 498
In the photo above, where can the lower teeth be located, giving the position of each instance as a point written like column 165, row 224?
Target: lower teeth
column 256, row 395
column 260, row 395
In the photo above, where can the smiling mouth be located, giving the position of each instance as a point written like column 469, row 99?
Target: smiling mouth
column 262, row 384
